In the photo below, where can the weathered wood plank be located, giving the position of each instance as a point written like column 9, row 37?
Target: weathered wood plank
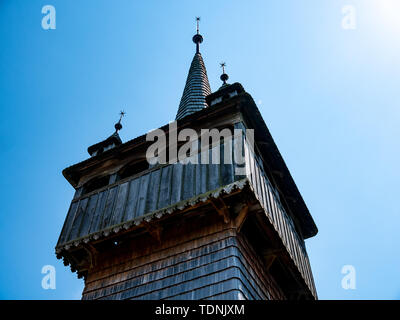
column 108, row 208
column 130, row 209
column 227, row 170
column 201, row 171
column 120, row 202
column 87, row 219
column 189, row 181
column 177, row 174
column 164, row 198
column 98, row 214
column 78, row 219
column 214, row 169
column 153, row 191
column 141, row 204
column 68, row 223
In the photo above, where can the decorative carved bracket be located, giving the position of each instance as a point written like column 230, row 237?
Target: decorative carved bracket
column 241, row 217
column 92, row 252
column 222, row 209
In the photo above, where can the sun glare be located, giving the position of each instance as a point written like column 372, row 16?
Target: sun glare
column 389, row 13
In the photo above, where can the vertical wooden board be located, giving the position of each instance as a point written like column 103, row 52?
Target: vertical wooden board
column 143, row 186
column 153, row 191
column 297, row 254
column 276, row 212
column 264, row 195
column 256, row 176
column 120, row 203
column 296, row 245
column 131, row 202
column 263, row 182
column 307, row 269
column 253, row 172
column 268, row 202
column 177, row 176
column 188, row 182
column 278, row 217
column 201, row 175
column 309, row 275
column 271, row 205
column 87, row 219
column 108, row 208
column 283, row 227
column 203, row 178
column 286, row 230
column 293, row 244
column 247, row 160
column 78, row 219
column 68, row 222
column 303, row 270
column 98, row 214
column 238, row 158
column 226, row 163
column 291, row 241
column 197, row 174
column 213, row 170
column 164, row 198
column 259, row 182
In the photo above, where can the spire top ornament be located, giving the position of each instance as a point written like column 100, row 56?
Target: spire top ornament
column 197, row 38
column 224, row 77
column 118, row 125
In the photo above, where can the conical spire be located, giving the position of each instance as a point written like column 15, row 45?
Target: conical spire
column 197, row 86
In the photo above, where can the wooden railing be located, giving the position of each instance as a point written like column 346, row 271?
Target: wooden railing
column 282, row 222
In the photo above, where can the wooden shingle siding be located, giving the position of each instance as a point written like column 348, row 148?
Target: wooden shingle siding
column 227, row 288
column 234, row 294
column 281, row 221
column 208, row 267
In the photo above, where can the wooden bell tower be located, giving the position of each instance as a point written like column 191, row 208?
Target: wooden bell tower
column 190, row 231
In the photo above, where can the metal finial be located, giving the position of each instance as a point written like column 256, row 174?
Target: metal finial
column 197, row 21
column 224, row 77
column 197, row 38
column 121, row 114
column 223, row 64
column 118, row 125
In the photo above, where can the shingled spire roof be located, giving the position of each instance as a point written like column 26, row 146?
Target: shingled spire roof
column 197, row 86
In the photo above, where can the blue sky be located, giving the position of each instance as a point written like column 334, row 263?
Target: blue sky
column 329, row 96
